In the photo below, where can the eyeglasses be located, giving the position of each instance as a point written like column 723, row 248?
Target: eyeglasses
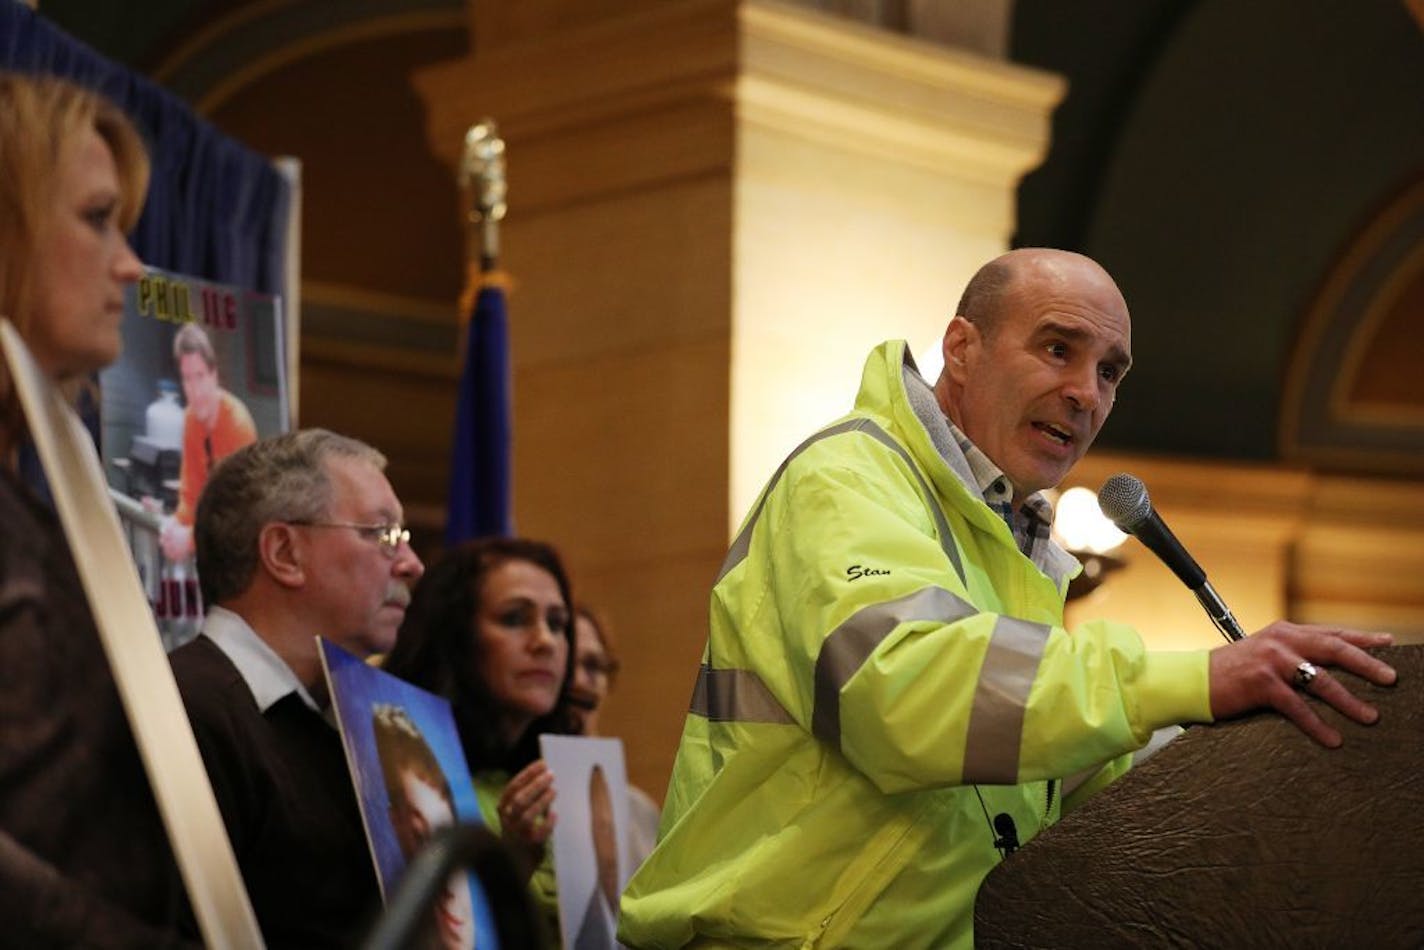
column 389, row 536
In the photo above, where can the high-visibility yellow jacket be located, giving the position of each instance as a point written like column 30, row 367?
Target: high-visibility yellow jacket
column 885, row 675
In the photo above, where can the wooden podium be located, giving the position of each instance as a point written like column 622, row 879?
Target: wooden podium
column 1243, row 834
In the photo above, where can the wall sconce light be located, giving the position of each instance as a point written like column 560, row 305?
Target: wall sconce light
column 1081, row 529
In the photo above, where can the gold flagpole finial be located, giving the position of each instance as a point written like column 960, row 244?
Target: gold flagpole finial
column 482, row 178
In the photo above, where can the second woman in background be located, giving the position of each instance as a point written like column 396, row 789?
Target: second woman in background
column 490, row 629
column 596, row 668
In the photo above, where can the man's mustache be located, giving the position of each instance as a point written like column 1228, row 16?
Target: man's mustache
column 397, row 593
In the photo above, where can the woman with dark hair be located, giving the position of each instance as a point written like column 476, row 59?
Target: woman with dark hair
column 490, row 629
column 596, row 666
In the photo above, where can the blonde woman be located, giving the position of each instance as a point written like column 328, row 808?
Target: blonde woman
column 84, row 860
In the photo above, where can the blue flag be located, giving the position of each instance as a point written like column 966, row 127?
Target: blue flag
column 479, row 458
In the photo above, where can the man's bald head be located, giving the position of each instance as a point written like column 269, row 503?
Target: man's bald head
column 991, row 292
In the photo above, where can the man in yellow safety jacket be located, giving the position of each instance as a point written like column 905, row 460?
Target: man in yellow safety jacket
column 888, row 703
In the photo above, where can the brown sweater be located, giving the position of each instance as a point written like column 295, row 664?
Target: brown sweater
column 84, row 861
column 286, row 796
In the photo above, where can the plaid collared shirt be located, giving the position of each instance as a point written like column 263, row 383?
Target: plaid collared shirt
column 1032, row 522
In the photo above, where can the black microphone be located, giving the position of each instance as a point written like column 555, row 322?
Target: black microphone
column 1123, row 498
column 1008, row 833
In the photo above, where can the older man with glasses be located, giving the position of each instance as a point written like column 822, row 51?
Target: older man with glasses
column 297, row 537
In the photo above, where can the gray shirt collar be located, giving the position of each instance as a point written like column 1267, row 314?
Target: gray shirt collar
column 983, row 479
column 266, row 674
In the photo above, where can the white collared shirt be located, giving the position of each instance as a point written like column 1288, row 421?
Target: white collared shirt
column 266, row 674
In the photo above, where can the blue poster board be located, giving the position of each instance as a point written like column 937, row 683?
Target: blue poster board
column 411, row 776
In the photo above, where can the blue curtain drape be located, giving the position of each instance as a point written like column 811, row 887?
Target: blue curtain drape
column 215, row 208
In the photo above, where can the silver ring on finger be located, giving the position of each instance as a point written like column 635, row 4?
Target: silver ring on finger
column 1305, row 674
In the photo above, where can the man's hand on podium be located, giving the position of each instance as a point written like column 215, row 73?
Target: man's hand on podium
column 1264, row 669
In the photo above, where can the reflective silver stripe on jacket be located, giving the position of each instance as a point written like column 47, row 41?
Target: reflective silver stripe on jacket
column 846, row 648
column 991, row 749
column 735, row 696
column 742, row 544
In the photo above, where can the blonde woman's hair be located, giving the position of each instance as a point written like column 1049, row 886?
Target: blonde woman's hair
column 43, row 119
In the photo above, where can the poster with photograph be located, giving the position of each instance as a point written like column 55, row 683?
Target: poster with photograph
column 411, row 778
column 590, row 850
column 201, row 375
column 151, row 704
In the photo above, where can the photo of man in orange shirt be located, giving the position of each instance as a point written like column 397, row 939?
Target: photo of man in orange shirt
column 215, row 424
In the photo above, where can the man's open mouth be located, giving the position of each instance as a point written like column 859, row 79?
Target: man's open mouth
column 1057, row 434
